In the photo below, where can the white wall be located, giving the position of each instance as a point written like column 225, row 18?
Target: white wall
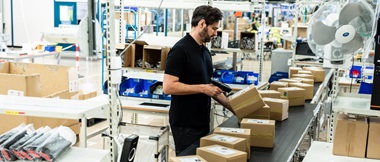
column 30, row 19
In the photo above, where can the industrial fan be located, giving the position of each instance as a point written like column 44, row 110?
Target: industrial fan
column 338, row 31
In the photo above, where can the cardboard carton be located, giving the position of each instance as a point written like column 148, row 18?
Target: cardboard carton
column 373, row 138
column 309, row 89
column 350, row 138
column 217, row 153
column 275, row 85
column 224, row 140
column 246, row 101
column 307, row 76
column 191, row 158
column 318, row 73
column 296, row 101
column 269, row 93
column 262, row 132
column 305, row 80
column 263, row 113
column 279, row 108
column 237, row 132
column 305, row 72
column 154, row 54
column 294, row 70
column 291, row 92
column 289, row 80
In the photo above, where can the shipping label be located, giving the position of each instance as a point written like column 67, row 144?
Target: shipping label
column 232, row 130
column 258, row 121
column 222, row 150
column 224, row 138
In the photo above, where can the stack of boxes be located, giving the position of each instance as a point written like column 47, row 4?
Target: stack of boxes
column 295, row 95
column 309, row 89
column 278, row 108
column 237, row 132
column 217, row 153
column 262, row 132
column 275, row 85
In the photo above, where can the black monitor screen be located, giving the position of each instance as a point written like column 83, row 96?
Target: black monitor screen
column 304, row 49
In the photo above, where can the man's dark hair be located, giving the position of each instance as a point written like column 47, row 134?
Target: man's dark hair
column 208, row 13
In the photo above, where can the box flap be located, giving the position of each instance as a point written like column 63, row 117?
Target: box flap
column 4, row 67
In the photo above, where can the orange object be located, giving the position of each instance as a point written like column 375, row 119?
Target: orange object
column 238, row 14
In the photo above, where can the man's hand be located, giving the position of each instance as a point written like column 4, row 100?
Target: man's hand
column 211, row 90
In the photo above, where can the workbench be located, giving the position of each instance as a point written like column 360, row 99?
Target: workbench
column 289, row 134
column 22, row 56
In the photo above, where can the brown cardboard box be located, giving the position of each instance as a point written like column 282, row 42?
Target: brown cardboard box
column 262, row 131
column 307, row 76
column 191, row 158
column 373, row 146
column 217, row 153
column 275, row 85
column 63, row 95
column 305, row 80
column 296, row 101
column 246, row 101
column 318, row 73
column 289, row 80
column 263, row 113
column 224, row 140
column 279, row 108
column 309, row 89
column 350, row 138
column 237, row 132
column 269, row 93
column 292, row 92
column 294, row 70
column 129, row 56
column 153, row 54
column 305, row 72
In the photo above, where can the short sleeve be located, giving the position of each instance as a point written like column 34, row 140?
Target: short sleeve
column 176, row 61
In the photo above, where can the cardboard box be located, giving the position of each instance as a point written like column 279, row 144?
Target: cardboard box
column 373, row 146
column 294, row 70
column 291, row 92
column 262, row 131
column 87, row 95
column 154, row 54
column 350, row 138
column 237, row 132
column 269, row 93
column 305, row 80
column 309, row 89
column 224, row 140
column 305, row 72
column 263, row 113
column 217, row 153
column 191, row 158
column 317, row 72
column 289, row 80
column 275, row 85
column 279, row 108
column 307, row 76
column 129, row 56
column 246, row 101
column 296, row 101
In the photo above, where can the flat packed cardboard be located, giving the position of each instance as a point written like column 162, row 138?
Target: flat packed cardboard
column 262, row 131
column 154, row 54
column 279, row 108
column 246, row 101
column 305, row 72
column 373, row 147
column 305, row 80
column 309, row 89
column 224, row 140
column 307, row 76
column 296, row 101
column 275, row 85
column 191, row 158
column 217, row 153
column 294, row 70
column 289, row 80
column 291, row 92
column 350, row 138
column 237, row 132
column 263, row 113
column 269, row 93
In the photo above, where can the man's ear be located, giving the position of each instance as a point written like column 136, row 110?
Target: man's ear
column 202, row 23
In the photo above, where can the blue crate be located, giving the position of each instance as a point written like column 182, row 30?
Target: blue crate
column 152, row 88
column 240, row 74
column 365, row 88
column 252, row 78
column 127, row 84
column 142, row 86
column 356, row 71
column 50, row 48
column 228, row 76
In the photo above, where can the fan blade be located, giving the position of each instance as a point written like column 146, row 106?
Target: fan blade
column 349, row 12
column 353, row 45
column 322, row 34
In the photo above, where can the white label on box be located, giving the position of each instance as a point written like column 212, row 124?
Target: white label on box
column 73, row 86
column 222, row 150
column 190, row 160
column 232, row 130
column 224, row 138
column 258, row 121
column 15, row 93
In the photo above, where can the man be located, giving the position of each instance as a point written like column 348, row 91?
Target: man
column 254, row 21
column 187, row 78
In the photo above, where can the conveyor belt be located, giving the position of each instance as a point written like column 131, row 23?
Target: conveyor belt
column 288, row 133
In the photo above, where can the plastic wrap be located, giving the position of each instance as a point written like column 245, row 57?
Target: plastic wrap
column 30, row 148
column 4, row 146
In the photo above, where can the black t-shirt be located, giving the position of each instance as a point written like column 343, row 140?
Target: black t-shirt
column 192, row 64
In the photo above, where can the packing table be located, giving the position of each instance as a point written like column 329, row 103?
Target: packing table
column 18, row 57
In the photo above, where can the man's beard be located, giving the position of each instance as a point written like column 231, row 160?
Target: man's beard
column 204, row 35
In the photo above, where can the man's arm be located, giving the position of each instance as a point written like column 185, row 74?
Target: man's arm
column 172, row 86
column 224, row 101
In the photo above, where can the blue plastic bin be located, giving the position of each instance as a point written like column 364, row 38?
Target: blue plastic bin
column 240, row 77
column 152, row 88
column 144, row 85
column 252, row 78
column 356, row 72
column 228, row 76
column 365, row 88
column 127, row 84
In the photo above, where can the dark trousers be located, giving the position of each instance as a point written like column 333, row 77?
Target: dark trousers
column 184, row 137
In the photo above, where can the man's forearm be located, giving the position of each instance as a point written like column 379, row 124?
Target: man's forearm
column 223, row 100
column 178, row 88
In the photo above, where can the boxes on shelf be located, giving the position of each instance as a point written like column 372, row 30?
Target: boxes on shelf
column 139, row 50
column 279, row 108
column 309, row 89
column 275, row 85
column 246, row 101
column 373, row 146
column 262, row 131
column 224, row 140
column 307, row 76
column 350, row 138
column 304, row 80
column 269, row 93
column 190, row 158
column 154, row 57
column 129, row 56
column 136, row 87
column 294, row 70
column 220, row 40
column 217, row 153
column 318, row 73
column 237, row 132
column 263, row 113
column 247, row 40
